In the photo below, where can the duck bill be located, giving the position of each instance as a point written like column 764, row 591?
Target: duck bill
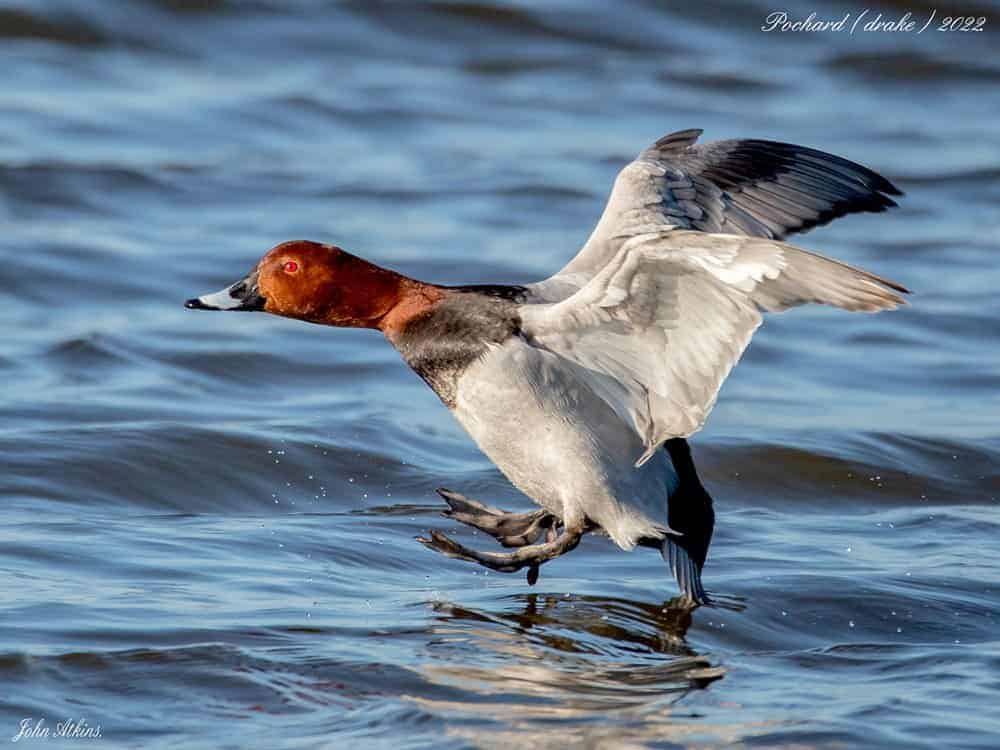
column 243, row 295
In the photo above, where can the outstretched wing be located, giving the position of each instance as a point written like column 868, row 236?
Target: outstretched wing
column 754, row 188
column 657, row 330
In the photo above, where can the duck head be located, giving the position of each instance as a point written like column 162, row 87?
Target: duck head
column 317, row 283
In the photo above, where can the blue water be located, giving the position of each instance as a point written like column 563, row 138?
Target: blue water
column 209, row 519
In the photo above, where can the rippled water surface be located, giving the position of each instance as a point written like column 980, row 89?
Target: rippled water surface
column 209, row 519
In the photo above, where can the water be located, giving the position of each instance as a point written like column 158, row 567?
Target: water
column 209, row 519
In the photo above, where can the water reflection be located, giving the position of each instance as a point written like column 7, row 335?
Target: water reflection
column 613, row 661
column 579, row 624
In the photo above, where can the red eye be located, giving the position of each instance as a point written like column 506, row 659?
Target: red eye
column 291, row 266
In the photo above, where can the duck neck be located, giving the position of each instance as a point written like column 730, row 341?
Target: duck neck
column 409, row 300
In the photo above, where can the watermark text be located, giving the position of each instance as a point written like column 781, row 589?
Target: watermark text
column 40, row 729
column 872, row 22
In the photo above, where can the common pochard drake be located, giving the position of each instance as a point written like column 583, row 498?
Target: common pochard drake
column 583, row 387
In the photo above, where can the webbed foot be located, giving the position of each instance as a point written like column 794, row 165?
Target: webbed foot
column 529, row 556
column 510, row 529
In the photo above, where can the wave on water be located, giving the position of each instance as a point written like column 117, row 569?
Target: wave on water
column 210, row 519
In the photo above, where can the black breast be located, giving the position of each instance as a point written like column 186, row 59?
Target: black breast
column 440, row 344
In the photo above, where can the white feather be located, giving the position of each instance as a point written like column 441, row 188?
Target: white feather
column 670, row 314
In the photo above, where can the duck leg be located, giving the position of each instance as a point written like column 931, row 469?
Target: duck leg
column 529, row 556
column 510, row 529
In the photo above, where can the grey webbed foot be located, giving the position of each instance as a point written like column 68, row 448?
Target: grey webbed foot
column 529, row 556
column 510, row 529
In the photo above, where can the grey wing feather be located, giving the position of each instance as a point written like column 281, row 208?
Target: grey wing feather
column 764, row 188
column 745, row 187
column 658, row 329
column 665, row 295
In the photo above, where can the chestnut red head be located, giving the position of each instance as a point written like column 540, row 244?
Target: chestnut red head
column 313, row 282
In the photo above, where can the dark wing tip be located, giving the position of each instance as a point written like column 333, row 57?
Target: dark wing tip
column 835, row 166
column 895, row 286
column 890, row 189
column 839, row 185
column 898, row 287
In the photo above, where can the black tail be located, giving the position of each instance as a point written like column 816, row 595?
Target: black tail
column 690, row 512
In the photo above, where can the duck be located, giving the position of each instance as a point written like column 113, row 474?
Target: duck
column 584, row 388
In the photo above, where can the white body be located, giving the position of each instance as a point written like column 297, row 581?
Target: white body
column 561, row 445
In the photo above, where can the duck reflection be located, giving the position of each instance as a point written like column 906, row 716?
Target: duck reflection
column 583, row 624
column 544, row 657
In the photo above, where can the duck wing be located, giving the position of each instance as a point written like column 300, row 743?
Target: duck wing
column 658, row 328
column 755, row 188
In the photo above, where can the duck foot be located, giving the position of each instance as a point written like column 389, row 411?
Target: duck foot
column 532, row 575
column 530, row 556
column 510, row 529
column 550, row 536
